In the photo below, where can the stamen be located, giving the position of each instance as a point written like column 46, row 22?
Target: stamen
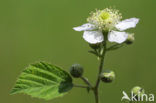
column 105, row 19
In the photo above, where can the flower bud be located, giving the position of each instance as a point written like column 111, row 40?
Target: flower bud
column 130, row 39
column 138, row 90
column 94, row 46
column 76, row 70
column 107, row 76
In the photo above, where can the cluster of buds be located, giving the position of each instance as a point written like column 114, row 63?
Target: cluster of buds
column 76, row 70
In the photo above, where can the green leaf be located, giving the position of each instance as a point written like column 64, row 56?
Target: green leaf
column 43, row 80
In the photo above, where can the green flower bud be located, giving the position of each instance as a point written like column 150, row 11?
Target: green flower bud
column 76, row 70
column 138, row 90
column 107, row 76
column 130, row 39
column 94, row 46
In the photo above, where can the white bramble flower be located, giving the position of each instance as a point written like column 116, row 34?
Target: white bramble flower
column 107, row 20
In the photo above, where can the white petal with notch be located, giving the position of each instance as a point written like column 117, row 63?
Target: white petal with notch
column 93, row 37
column 85, row 27
column 126, row 24
column 118, row 37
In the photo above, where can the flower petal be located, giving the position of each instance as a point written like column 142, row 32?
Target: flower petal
column 126, row 24
column 85, row 27
column 93, row 37
column 118, row 37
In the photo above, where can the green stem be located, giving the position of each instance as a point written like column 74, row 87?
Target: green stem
column 80, row 86
column 87, row 82
column 100, row 71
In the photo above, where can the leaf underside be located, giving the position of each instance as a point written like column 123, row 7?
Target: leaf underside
column 43, row 80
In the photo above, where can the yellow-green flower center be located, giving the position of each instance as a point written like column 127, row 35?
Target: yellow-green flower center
column 104, row 15
column 105, row 19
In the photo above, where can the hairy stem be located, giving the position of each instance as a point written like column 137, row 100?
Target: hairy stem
column 87, row 82
column 80, row 86
column 100, row 71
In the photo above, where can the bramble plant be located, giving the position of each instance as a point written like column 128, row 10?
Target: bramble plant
column 46, row 81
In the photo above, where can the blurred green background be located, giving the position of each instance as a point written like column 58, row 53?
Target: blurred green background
column 41, row 30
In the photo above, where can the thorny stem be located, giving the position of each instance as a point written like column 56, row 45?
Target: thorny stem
column 100, row 71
